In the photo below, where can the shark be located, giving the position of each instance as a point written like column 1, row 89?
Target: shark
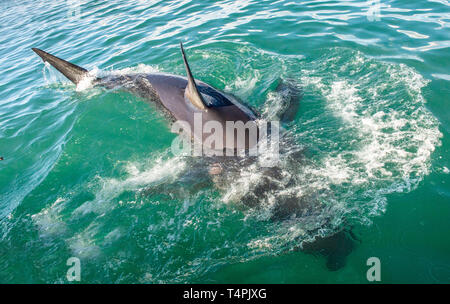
column 184, row 98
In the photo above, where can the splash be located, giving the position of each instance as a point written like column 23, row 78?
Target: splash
column 51, row 76
column 371, row 135
column 363, row 133
column 110, row 188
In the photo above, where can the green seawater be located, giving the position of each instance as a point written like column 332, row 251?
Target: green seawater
column 89, row 173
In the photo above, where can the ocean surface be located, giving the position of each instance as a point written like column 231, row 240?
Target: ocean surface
column 89, row 173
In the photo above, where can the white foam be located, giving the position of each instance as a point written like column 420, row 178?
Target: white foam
column 83, row 245
column 138, row 178
column 243, row 86
column 243, row 184
column 382, row 144
column 87, row 82
column 49, row 219
column 140, row 68
column 395, row 142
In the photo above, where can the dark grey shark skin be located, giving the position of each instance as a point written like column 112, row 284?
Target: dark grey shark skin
column 168, row 91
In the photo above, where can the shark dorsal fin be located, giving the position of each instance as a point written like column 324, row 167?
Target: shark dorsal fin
column 191, row 92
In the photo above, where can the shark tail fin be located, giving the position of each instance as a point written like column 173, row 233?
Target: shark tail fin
column 73, row 72
column 191, row 91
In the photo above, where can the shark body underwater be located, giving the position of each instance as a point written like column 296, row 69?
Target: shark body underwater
column 184, row 97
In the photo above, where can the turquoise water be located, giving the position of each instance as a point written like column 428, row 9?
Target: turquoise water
column 88, row 173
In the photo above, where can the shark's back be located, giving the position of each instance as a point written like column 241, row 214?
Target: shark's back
column 187, row 100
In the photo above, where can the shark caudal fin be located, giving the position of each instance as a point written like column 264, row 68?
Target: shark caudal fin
column 73, row 72
column 191, row 91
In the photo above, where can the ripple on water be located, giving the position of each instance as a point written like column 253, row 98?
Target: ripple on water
column 377, row 139
column 363, row 125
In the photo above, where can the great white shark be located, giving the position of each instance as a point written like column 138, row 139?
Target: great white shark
column 183, row 97
column 180, row 97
